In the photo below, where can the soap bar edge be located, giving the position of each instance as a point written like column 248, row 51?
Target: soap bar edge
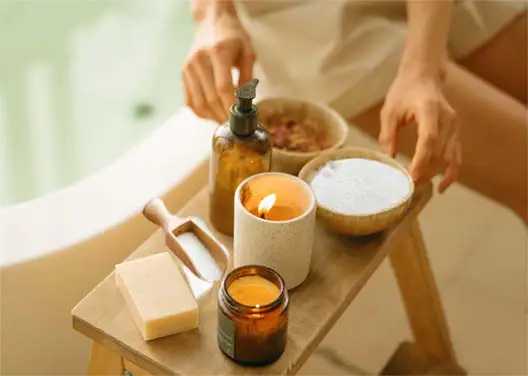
column 161, row 326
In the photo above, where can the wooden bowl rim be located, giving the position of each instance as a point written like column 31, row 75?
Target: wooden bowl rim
column 342, row 125
column 348, row 153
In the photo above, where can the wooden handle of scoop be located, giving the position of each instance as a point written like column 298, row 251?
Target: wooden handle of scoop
column 156, row 212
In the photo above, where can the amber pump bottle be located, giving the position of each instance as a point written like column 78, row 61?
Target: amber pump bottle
column 241, row 148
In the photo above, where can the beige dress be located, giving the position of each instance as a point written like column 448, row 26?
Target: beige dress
column 346, row 52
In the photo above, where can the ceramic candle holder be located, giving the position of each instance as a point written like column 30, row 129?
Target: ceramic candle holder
column 281, row 238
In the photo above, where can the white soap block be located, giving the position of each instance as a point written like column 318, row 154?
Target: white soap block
column 157, row 295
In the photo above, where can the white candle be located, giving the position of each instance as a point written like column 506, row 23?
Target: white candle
column 280, row 236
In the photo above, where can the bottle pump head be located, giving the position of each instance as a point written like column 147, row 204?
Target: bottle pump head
column 243, row 119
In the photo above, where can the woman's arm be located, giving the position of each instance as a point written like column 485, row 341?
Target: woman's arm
column 202, row 8
column 428, row 25
column 416, row 95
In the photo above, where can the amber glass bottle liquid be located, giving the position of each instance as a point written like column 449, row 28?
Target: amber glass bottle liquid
column 241, row 148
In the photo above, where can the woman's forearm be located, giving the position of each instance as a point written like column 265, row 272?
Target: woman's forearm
column 428, row 27
column 201, row 8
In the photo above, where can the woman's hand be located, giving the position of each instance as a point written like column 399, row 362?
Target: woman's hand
column 220, row 43
column 416, row 96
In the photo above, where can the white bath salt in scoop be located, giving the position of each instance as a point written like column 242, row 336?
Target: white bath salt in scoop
column 359, row 186
column 200, row 255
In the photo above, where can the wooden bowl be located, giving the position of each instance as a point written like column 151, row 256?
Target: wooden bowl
column 301, row 110
column 357, row 224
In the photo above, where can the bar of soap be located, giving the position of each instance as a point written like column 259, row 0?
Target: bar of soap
column 157, row 295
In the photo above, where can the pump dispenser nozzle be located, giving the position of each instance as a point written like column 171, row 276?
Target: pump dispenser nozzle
column 243, row 119
column 245, row 95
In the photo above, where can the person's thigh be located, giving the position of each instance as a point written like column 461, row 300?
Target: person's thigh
column 493, row 132
column 503, row 60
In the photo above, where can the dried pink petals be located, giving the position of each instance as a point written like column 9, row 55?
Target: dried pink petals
column 288, row 134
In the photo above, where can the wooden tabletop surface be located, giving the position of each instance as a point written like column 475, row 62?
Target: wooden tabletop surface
column 340, row 268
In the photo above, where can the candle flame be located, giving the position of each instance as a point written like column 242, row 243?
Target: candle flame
column 266, row 204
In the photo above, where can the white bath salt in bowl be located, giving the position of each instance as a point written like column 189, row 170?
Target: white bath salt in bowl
column 359, row 186
column 358, row 191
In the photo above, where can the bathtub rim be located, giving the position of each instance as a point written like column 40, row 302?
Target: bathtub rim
column 163, row 160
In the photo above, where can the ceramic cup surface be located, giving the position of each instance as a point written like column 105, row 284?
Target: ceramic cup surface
column 283, row 245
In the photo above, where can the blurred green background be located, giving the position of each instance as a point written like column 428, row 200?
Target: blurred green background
column 81, row 82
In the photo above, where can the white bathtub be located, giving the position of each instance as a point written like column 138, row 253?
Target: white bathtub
column 75, row 72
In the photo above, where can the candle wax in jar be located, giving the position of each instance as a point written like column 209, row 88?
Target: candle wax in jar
column 278, row 213
column 253, row 291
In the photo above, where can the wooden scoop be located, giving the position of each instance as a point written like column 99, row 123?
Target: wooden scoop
column 156, row 212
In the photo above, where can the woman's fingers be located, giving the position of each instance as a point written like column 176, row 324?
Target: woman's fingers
column 419, row 97
column 186, row 90
column 245, row 66
column 438, row 142
column 204, row 72
column 388, row 137
column 196, row 98
column 222, row 60
column 428, row 147
column 453, row 158
column 450, row 146
column 219, row 46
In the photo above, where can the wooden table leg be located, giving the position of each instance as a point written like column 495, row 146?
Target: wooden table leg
column 104, row 362
column 432, row 350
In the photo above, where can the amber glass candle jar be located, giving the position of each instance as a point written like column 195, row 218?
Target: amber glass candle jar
column 253, row 315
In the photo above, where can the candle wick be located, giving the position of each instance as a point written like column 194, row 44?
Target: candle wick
column 263, row 216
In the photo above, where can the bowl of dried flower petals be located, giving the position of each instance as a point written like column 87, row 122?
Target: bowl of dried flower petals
column 300, row 131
